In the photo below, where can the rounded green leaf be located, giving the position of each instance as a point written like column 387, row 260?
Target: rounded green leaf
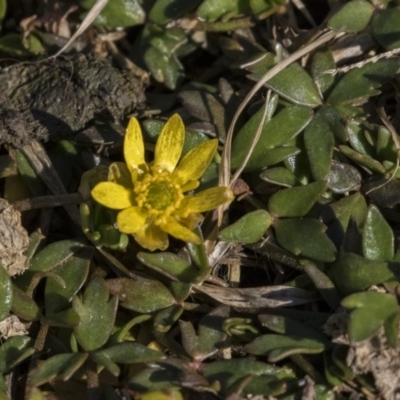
column 364, row 82
column 296, row 201
column 278, row 347
column 353, row 206
column 277, row 131
column 6, row 294
column 118, row 13
column 238, row 368
column 352, row 17
column 386, row 27
column 305, row 237
column 171, row 265
column 353, row 273
column 164, row 11
column 130, row 353
column 279, row 176
column 97, row 314
column 61, row 367
column 211, row 10
column 248, row 229
column 323, row 61
column 73, row 273
column 343, row 177
column 372, row 309
column 143, row 296
column 24, row 306
column 319, row 141
column 12, row 349
column 377, row 237
column 52, row 256
column 165, row 68
column 292, row 83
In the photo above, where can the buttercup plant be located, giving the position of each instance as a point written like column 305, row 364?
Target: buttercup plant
column 151, row 196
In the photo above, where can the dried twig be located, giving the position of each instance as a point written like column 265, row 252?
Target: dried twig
column 360, row 64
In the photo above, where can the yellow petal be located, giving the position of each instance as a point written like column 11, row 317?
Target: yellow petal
column 179, row 231
column 206, row 200
column 134, row 146
column 169, row 144
column 118, row 173
column 131, row 220
column 113, row 196
column 191, row 221
column 151, row 237
column 190, row 185
column 195, row 162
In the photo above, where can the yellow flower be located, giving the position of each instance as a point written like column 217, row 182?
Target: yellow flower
column 151, row 197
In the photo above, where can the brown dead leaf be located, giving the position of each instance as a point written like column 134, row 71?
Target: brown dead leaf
column 12, row 326
column 14, row 240
column 264, row 296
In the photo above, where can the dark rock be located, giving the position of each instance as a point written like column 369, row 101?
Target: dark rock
column 54, row 99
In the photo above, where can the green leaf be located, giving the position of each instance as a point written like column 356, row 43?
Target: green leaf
column 292, row 83
column 64, row 319
column 319, row 141
column 171, row 265
column 29, row 175
column 165, row 318
column 60, row 367
column 363, row 159
column 210, row 336
column 3, row 9
column 361, row 83
column 238, row 368
column 291, row 327
column 279, row 176
column 211, row 10
column 50, row 257
column 142, row 296
column 6, row 294
column 205, row 107
column 323, row 61
column 11, row 351
column 130, row 353
column 357, row 130
column 277, row 131
column 305, row 237
column 278, row 347
column 164, row 11
column 24, row 306
column 97, row 314
column 296, row 201
column 73, row 273
column 118, row 13
column 164, row 375
column 352, row 17
column 248, row 229
column 353, row 273
column 13, row 45
column 378, row 238
column 350, row 206
column 165, row 68
column 343, row 177
column 386, row 27
column 372, row 310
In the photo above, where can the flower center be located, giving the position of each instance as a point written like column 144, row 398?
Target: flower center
column 158, row 195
